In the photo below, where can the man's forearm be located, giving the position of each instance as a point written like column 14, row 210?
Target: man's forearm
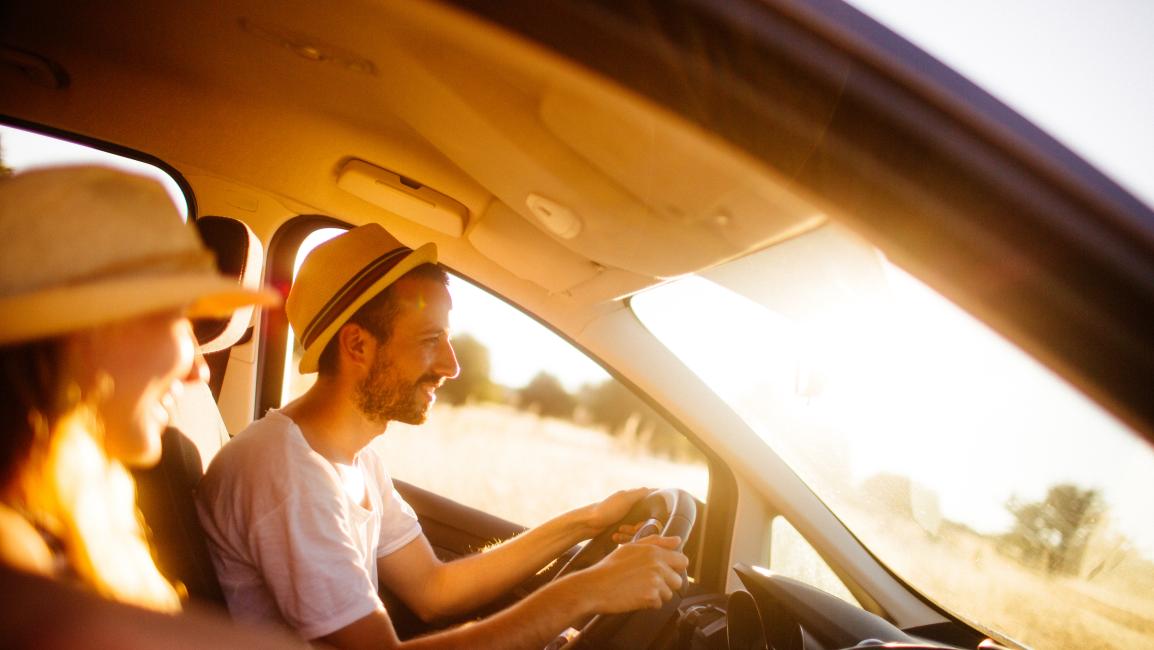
column 468, row 583
column 635, row 576
column 531, row 623
column 438, row 590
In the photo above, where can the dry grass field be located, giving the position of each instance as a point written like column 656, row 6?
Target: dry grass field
column 523, row 467
column 1038, row 610
column 527, row 469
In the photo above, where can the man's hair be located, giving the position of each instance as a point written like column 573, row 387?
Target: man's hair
column 377, row 315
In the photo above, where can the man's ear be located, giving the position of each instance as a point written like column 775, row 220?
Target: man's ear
column 357, row 346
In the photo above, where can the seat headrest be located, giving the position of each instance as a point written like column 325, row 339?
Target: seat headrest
column 239, row 254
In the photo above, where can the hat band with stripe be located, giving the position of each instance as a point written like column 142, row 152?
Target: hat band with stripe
column 350, row 291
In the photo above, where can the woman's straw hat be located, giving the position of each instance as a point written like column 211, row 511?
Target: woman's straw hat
column 85, row 246
column 339, row 277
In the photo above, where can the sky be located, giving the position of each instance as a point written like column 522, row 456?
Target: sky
column 1079, row 70
column 519, row 346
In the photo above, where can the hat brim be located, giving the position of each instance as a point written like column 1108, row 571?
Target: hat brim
column 60, row 310
column 426, row 254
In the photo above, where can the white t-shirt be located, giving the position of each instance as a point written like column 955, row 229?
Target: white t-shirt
column 288, row 543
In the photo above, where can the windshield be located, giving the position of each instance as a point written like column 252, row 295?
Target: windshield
column 970, row 470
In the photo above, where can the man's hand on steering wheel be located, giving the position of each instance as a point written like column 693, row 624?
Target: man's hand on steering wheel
column 630, row 586
column 599, row 516
column 639, row 575
column 627, row 532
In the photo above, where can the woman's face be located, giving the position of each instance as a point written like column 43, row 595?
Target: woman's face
column 147, row 359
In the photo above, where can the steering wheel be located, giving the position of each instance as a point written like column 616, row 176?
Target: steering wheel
column 669, row 512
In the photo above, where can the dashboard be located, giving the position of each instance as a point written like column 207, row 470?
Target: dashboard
column 774, row 612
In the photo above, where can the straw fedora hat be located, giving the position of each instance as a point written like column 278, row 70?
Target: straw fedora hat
column 339, row 277
column 85, row 246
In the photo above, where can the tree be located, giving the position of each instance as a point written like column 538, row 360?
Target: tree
column 473, row 383
column 545, row 395
column 1052, row 533
column 612, row 405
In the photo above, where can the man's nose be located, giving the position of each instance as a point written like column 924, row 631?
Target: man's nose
column 446, row 364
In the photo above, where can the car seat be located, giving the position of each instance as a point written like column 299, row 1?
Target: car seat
column 166, row 492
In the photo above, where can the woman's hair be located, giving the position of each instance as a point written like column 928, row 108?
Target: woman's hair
column 54, row 471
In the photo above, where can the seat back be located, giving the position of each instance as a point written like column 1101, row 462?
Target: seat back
column 166, row 494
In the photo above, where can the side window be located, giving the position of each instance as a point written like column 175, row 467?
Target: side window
column 531, row 427
column 294, row 383
column 792, row 556
column 22, row 149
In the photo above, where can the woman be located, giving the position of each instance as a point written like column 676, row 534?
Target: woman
column 98, row 277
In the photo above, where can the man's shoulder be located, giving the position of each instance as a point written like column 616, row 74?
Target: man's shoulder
column 265, row 469
column 273, row 423
column 265, row 449
column 271, row 432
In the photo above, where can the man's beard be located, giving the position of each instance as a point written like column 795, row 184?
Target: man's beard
column 382, row 396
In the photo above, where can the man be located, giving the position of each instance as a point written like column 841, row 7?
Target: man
column 303, row 519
